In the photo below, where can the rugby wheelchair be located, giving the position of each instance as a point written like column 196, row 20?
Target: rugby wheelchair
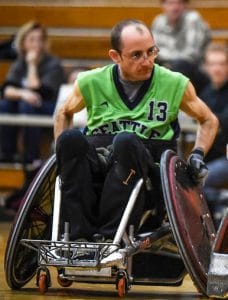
column 161, row 256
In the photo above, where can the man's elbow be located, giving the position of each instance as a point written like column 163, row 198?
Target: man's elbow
column 215, row 122
column 61, row 114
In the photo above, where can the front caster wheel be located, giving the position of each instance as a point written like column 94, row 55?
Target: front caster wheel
column 122, row 283
column 43, row 279
column 64, row 282
column 122, row 287
column 43, row 283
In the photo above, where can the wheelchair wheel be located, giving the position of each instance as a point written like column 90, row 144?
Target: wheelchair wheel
column 121, row 287
column 64, row 282
column 189, row 217
column 43, row 285
column 122, row 283
column 43, row 279
column 33, row 221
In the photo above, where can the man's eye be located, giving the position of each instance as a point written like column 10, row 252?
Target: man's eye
column 136, row 55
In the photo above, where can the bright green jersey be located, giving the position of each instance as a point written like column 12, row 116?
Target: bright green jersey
column 152, row 115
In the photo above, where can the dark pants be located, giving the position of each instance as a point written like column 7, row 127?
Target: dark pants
column 31, row 136
column 94, row 196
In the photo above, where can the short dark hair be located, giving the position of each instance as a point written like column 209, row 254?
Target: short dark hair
column 117, row 30
column 216, row 47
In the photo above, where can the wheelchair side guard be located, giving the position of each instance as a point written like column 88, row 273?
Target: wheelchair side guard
column 217, row 285
column 32, row 222
column 189, row 217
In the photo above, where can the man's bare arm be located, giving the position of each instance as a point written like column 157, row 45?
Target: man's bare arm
column 64, row 116
column 208, row 123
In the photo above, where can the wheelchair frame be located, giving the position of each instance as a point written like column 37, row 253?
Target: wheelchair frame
column 117, row 262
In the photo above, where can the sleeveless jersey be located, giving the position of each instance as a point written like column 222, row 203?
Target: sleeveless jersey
column 153, row 115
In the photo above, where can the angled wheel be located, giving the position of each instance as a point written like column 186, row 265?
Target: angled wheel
column 33, row 221
column 189, row 217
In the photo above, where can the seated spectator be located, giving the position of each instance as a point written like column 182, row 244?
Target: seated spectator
column 181, row 35
column 80, row 118
column 31, row 87
column 216, row 97
column 215, row 94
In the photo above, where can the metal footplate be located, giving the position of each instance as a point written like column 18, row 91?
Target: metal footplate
column 87, row 255
column 70, row 254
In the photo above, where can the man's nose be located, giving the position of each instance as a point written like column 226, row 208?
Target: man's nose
column 145, row 56
column 146, row 59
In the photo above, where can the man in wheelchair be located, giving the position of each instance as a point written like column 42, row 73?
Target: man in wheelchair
column 132, row 108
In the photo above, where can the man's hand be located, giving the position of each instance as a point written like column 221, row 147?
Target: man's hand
column 105, row 154
column 197, row 167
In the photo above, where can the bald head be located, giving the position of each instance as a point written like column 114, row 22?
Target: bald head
column 125, row 29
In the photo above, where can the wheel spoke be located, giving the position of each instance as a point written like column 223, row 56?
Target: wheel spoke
column 33, row 222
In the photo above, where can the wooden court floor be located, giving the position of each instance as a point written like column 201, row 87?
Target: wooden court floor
column 88, row 291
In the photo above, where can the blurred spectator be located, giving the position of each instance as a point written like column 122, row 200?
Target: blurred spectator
column 80, row 118
column 31, row 87
column 215, row 94
column 216, row 97
column 12, row 201
column 181, row 35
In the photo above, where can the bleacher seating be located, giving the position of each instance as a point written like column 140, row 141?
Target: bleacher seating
column 79, row 29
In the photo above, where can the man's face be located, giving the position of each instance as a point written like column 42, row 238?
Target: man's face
column 216, row 65
column 137, row 53
column 173, row 9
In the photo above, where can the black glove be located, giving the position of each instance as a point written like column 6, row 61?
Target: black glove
column 197, row 167
column 105, row 155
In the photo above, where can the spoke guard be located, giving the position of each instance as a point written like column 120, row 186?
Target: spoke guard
column 189, row 217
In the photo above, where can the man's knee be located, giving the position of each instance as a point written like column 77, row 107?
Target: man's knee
column 130, row 152
column 70, row 144
column 127, row 148
column 124, row 142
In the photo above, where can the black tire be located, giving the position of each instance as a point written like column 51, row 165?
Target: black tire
column 33, row 221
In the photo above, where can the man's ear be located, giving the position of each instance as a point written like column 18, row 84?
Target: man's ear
column 114, row 55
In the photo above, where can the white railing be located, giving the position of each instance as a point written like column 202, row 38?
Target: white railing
column 48, row 121
column 37, row 120
column 26, row 120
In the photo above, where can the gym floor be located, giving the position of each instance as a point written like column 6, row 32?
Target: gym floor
column 80, row 291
